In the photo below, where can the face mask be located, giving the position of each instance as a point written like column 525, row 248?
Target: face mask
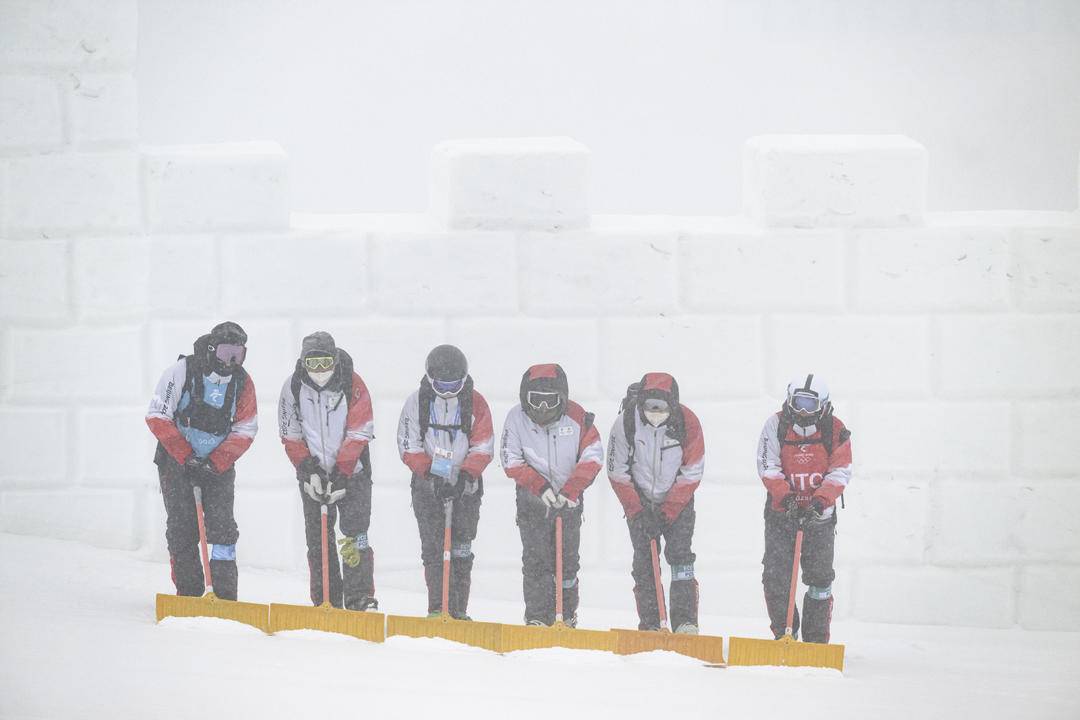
column 320, row 378
column 657, row 418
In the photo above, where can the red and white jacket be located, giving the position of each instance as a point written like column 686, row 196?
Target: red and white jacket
column 161, row 418
column 326, row 425
column 472, row 452
column 563, row 454
column 802, row 466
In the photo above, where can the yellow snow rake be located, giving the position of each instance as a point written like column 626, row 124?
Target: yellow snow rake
column 364, row 625
column 703, row 647
column 531, row 637
column 787, row 651
column 478, row 634
column 210, row 605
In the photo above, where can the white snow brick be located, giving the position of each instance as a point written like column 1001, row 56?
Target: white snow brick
column 885, row 520
column 444, row 273
column 710, row 357
column 731, row 432
column 37, row 445
column 917, row 438
column 767, row 271
column 271, row 528
column 274, row 275
column 81, row 363
column 974, row 522
column 104, row 518
column 174, row 287
column 1008, row 356
column 1046, row 438
column 739, row 536
column 231, row 186
column 57, row 34
column 31, row 117
column 265, row 463
column 117, row 448
column 510, row 184
column 834, row 180
column 1050, row 598
column 936, row 596
column 1047, row 269
column 33, row 280
column 499, row 352
column 72, row 194
column 104, row 109
column 872, row 357
column 1050, row 527
column 591, row 273
column 112, row 277
column 926, row 269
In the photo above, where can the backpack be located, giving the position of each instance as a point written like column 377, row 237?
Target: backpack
column 345, row 363
column 427, row 397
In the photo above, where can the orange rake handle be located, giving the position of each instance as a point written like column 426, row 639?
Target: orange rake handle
column 202, row 539
column 446, row 558
column 325, row 561
column 558, row 570
column 660, row 603
column 794, row 582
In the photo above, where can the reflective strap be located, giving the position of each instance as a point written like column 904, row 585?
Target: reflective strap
column 461, row 550
column 223, row 552
column 819, row 593
column 567, row 584
column 361, row 541
column 682, row 572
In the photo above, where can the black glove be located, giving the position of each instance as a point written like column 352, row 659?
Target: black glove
column 790, row 505
column 814, row 514
column 446, row 490
column 465, row 480
column 308, row 466
column 199, row 470
column 650, row 522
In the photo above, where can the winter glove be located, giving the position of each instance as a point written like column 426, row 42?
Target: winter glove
column 650, row 522
column 306, row 468
column 350, row 550
column 551, row 500
column 445, row 490
column 568, row 503
column 199, row 470
column 313, row 486
column 790, row 505
column 468, row 483
column 814, row 514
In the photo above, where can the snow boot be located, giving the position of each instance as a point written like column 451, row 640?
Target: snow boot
column 817, row 617
column 684, row 602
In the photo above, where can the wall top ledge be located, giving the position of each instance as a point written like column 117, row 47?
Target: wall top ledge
column 511, row 146
column 229, row 150
column 832, row 143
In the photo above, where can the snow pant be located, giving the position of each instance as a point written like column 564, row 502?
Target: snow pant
column 354, row 514
column 182, row 528
column 431, row 521
column 537, row 526
column 817, row 573
column 675, row 540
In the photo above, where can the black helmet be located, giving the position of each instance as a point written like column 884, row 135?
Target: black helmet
column 226, row 347
column 446, row 369
column 544, row 393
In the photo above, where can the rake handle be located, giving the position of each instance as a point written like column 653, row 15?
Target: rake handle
column 660, row 603
column 202, row 539
column 558, row 570
column 325, row 559
column 449, row 513
column 794, row 581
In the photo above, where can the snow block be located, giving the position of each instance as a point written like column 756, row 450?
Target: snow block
column 1045, row 438
column 695, row 349
column 104, row 109
column 834, row 180
column 510, row 184
column 33, row 280
column 739, row 537
column 868, row 357
column 1047, row 269
column 1008, row 356
column 918, row 270
column 1050, row 527
column 37, row 444
column 731, row 432
column 104, row 518
column 886, row 519
column 275, row 275
column 58, row 34
column 393, row 531
column 84, row 363
column 1050, row 598
column 31, row 117
column 386, row 464
column 271, row 526
column 444, row 273
column 936, row 596
column 73, row 194
column 265, row 463
column 598, row 273
column 116, row 448
column 172, row 291
column 906, row 438
column 974, row 521
column 231, row 186
column 766, row 271
column 113, row 276
column 499, row 352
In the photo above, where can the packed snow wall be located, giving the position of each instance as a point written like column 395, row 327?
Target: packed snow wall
column 950, row 340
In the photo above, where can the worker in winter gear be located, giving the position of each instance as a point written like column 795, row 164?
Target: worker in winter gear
column 445, row 437
column 552, row 451
column 204, row 416
column 804, row 461
column 325, row 422
column 656, row 458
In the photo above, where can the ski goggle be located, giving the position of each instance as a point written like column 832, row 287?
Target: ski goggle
column 655, row 405
column 801, row 402
column 230, row 354
column 446, row 388
column 543, row 399
column 319, row 362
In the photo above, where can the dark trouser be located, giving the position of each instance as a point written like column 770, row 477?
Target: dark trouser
column 431, row 520
column 354, row 511
column 182, row 529
column 677, row 538
column 817, row 572
column 537, row 526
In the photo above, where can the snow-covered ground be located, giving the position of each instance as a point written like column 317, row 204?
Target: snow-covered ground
column 78, row 639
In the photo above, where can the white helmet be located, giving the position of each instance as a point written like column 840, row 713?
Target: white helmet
column 807, row 400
